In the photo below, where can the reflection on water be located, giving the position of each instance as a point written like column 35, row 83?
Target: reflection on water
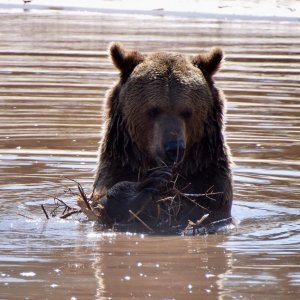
column 53, row 77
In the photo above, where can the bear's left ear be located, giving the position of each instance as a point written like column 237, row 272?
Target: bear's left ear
column 210, row 62
column 124, row 60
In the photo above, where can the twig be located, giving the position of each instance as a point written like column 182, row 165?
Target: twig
column 65, row 204
column 195, row 202
column 82, row 193
column 175, row 181
column 84, row 197
column 171, row 198
column 70, row 213
column 93, row 192
column 194, row 226
column 44, row 210
column 201, row 195
column 210, row 192
column 139, row 219
column 25, row 216
column 65, row 210
column 204, row 217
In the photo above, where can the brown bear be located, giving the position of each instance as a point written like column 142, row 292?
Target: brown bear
column 164, row 127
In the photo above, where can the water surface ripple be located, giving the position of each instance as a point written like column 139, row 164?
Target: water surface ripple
column 53, row 77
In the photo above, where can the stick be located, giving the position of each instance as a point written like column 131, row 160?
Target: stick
column 25, row 216
column 65, row 210
column 139, row 219
column 65, row 204
column 82, row 193
column 44, row 210
column 196, row 203
column 201, row 195
column 70, row 213
column 204, row 217
column 94, row 188
column 166, row 199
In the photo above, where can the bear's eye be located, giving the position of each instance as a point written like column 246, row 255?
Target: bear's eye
column 154, row 112
column 186, row 114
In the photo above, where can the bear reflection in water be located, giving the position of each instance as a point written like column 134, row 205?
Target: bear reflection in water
column 163, row 159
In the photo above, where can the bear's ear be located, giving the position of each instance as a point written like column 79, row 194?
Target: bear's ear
column 210, row 62
column 124, row 60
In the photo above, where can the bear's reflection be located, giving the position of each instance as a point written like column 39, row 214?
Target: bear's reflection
column 160, row 267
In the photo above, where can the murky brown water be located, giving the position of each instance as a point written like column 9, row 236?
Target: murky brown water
column 53, row 76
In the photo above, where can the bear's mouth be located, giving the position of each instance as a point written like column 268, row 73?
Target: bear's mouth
column 172, row 154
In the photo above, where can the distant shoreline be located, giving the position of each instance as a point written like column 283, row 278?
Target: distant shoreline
column 7, row 7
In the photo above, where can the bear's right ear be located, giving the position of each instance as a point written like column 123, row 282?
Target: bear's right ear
column 124, row 60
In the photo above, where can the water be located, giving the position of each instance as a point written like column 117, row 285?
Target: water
column 53, row 77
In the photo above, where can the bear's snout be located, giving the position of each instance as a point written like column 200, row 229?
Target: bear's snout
column 174, row 151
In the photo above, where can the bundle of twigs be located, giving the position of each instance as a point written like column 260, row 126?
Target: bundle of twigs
column 60, row 208
column 162, row 213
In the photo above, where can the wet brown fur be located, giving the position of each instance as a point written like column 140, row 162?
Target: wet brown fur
column 157, row 80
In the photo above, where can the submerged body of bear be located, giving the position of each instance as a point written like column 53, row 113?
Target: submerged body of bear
column 164, row 139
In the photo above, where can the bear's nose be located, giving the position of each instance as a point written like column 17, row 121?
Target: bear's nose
column 174, row 151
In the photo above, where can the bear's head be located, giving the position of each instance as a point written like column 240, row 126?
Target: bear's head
column 164, row 109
